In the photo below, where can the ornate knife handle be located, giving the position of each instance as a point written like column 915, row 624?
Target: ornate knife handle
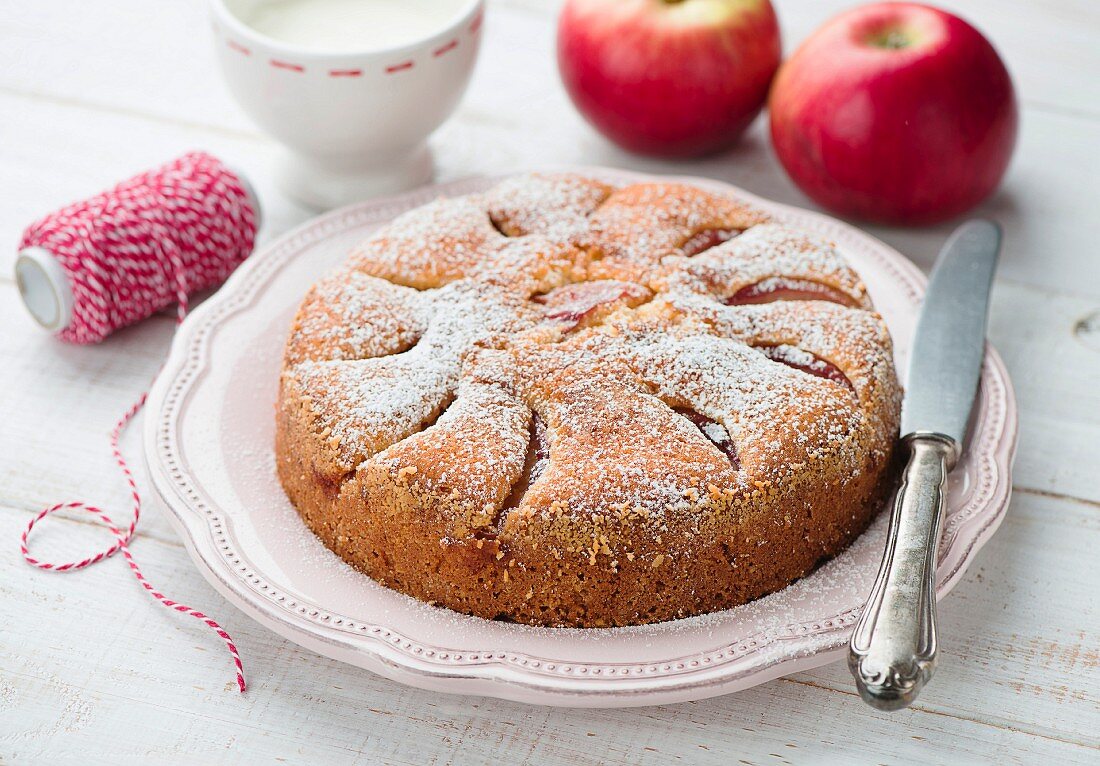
column 893, row 649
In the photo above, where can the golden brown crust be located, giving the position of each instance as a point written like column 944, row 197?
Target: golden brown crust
column 572, row 422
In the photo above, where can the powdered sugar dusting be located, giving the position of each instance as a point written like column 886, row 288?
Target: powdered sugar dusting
column 554, row 205
column 641, row 224
column 767, row 252
column 368, row 404
column 350, row 315
column 445, row 308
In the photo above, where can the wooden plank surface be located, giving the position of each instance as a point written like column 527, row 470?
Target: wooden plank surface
column 1008, row 688
column 91, row 670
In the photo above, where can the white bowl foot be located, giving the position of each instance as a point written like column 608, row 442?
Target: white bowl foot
column 323, row 186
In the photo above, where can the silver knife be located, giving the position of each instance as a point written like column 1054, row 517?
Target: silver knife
column 893, row 650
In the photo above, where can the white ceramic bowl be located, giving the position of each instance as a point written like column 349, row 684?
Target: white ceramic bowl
column 209, row 431
column 355, row 123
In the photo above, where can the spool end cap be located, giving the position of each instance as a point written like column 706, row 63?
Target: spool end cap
column 44, row 287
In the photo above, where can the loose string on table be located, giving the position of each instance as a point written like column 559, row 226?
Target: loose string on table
column 127, row 253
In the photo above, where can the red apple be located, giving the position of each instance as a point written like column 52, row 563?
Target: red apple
column 668, row 77
column 895, row 112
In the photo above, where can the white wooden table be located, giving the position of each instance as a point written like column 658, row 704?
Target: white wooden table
column 91, row 670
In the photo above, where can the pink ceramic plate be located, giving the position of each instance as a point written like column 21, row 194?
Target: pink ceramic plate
column 208, row 443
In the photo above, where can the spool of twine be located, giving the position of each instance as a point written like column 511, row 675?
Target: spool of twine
column 103, row 263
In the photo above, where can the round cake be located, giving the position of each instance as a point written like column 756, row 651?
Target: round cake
column 564, row 403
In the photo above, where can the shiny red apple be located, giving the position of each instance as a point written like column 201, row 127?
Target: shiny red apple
column 670, row 78
column 895, row 112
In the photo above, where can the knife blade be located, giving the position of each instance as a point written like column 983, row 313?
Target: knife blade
column 950, row 340
column 893, row 650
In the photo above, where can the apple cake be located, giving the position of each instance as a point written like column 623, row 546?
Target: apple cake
column 565, row 403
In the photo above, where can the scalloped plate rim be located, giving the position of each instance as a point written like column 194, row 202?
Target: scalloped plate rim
column 498, row 673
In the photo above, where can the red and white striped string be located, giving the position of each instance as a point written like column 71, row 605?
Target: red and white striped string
column 129, row 252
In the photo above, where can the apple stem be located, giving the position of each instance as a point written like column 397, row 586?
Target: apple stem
column 892, row 39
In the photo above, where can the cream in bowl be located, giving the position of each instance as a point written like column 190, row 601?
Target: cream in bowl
column 352, row 88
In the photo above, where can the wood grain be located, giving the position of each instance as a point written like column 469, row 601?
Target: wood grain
column 92, row 670
column 1006, row 687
